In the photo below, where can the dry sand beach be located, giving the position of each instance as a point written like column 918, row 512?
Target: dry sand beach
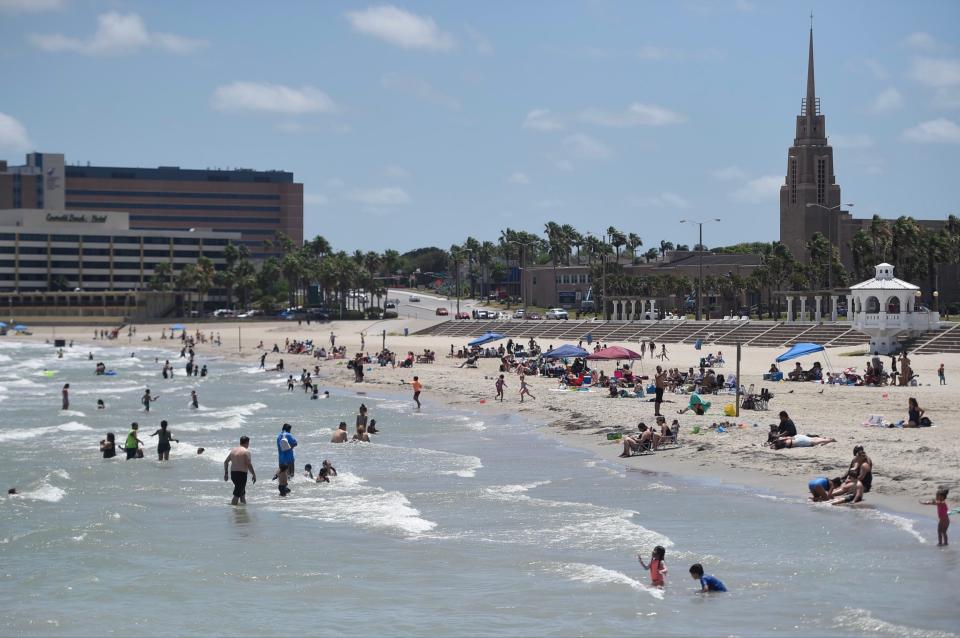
column 908, row 463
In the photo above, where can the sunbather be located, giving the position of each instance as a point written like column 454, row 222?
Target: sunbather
column 800, row 440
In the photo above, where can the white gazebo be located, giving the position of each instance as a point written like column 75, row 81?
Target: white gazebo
column 884, row 308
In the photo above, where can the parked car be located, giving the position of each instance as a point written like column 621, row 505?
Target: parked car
column 414, row 299
column 534, row 316
column 557, row 313
column 390, row 306
column 518, row 313
column 223, row 313
column 463, row 314
column 250, row 313
column 503, row 315
column 442, row 312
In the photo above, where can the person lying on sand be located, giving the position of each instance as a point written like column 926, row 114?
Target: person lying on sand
column 800, row 440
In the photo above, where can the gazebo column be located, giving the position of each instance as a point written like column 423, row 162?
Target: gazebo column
column 789, row 308
column 833, row 308
column 633, row 310
column 653, row 308
column 803, row 307
column 816, row 312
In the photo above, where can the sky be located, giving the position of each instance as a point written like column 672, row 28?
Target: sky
column 420, row 123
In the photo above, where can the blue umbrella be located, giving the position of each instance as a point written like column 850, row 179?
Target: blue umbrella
column 566, row 351
column 3, row 324
column 177, row 326
column 19, row 326
column 800, row 350
column 485, row 338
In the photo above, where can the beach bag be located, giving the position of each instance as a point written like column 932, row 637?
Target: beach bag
column 284, row 444
column 729, row 410
column 925, row 422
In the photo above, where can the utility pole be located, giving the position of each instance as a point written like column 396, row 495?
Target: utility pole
column 700, row 262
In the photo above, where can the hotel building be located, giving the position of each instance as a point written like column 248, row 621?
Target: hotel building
column 255, row 204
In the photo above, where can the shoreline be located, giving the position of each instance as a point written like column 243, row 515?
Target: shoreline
column 580, row 420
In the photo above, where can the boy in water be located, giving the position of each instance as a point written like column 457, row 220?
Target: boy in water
column 133, row 443
column 194, row 401
column 146, row 400
column 707, row 582
column 417, row 387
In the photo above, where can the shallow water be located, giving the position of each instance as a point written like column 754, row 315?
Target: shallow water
column 463, row 524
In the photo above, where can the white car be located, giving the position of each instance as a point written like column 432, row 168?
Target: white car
column 414, row 299
column 518, row 313
column 557, row 313
column 503, row 315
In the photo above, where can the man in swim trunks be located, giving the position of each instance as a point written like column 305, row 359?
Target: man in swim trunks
column 285, row 445
column 242, row 464
column 417, row 387
column 340, row 434
column 660, row 382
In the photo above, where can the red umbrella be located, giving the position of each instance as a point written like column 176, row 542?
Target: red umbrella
column 614, row 352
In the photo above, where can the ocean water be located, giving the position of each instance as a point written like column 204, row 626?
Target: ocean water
column 450, row 523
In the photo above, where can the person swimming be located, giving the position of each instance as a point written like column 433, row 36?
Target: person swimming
column 101, row 405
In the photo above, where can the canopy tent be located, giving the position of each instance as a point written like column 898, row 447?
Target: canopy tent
column 614, row 352
column 800, row 350
column 19, row 327
column 485, row 338
column 178, row 326
column 566, row 351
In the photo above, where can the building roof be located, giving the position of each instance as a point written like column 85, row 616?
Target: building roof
column 884, row 280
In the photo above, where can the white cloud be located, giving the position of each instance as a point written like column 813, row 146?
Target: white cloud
column 518, row 178
column 116, row 34
column 923, row 41
column 480, row 41
column 936, row 72
column 387, row 196
column 315, row 199
column 889, row 99
column 13, row 135
column 869, row 65
column 274, row 98
column 853, row 140
column 637, row 114
column 397, row 172
column 401, row 28
column 30, row 6
column 587, row 147
column 419, row 88
column 542, row 120
column 663, row 200
column 939, row 131
column 762, row 190
column 729, row 173
column 947, row 98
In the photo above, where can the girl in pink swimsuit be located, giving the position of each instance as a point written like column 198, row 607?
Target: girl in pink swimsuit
column 657, row 567
column 942, row 514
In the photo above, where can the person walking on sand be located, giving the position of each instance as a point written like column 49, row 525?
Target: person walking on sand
column 525, row 389
column 941, row 374
column 417, row 388
column 333, row 340
column 660, row 383
column 263, row 360
column 242, row 462
column 500, row 385
column 285, row 445
column 65, row 395
column 163, row 444
column 663, row 353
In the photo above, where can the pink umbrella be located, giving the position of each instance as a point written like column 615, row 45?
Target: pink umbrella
column 614, row 352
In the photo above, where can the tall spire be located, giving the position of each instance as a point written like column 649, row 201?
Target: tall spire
column 811, row 110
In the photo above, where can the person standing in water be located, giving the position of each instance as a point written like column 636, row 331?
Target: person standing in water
column 194, row 401
column 65, row 395
column 362, row 416
column 417, row 387
column 108, row 446
column 133, row 443
column 242, row 462
column 285, row 445
column 146, row 400
column 943, row 515
column 163, row 445
column 657, row 567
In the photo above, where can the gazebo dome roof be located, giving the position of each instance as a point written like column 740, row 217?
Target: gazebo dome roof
column 884, row 280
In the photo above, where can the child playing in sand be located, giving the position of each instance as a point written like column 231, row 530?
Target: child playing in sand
column 941, row 502
column 525, row 389
column 501, row 384
column 657, row 567
column 707, row 582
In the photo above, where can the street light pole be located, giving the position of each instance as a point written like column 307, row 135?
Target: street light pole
column 829, row 209
column 700, row 262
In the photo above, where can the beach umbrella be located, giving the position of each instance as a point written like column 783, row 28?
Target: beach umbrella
column 800, row 350
column 485, row 338
column 177, row 326
column 613, row 353
column 566, row 351
column 3, row 324
column 20, row 327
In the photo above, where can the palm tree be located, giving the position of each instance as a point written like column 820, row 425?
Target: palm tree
column 203, row 278
column 664, row 247
column 484, row 256
column 185, row 282
column 634, row 242
column 881, row 235
column 617, row 239
column 162, row 279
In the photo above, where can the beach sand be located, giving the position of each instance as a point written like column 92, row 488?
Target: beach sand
column 908, row 463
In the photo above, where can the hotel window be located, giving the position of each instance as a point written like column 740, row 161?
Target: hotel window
column 821, row 179
column 126, row 240
column 793, row 180
column 32, row 237
column 96, row 239
column 65, row 238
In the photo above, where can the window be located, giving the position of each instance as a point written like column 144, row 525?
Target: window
column 190, row 254
column 33, row 263
column 821, row 180
column 6, row 236
column 156, row 240
column 65, row 238
column 126, row 252
column 33, row 250
column 156, row 253
column 126, row 240
column 32, row 237
column 793, row 180
column 6, row 249
column 873, row 305
column 192, row 241
column 96, row 265
column 96, row 251
column 57, row 250
column 96, row 239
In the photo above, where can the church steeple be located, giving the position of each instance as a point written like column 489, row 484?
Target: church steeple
column 811, row 88
column 811, row 126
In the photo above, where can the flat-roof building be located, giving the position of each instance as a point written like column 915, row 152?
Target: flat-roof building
column 255, row 204
column 94, row 250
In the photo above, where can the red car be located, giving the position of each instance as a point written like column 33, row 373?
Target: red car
column 442, row 312
column 463, row 315
column 533, row 315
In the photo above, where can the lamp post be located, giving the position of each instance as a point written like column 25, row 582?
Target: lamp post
column 522, row 244
column 700, row 261
column 829, row 209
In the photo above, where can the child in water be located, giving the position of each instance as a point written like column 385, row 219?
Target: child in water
column 942, row 514
column 282, row 476
column 657, row 567
column 707, row 582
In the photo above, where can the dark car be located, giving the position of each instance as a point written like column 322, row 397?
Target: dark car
column 534, row 315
